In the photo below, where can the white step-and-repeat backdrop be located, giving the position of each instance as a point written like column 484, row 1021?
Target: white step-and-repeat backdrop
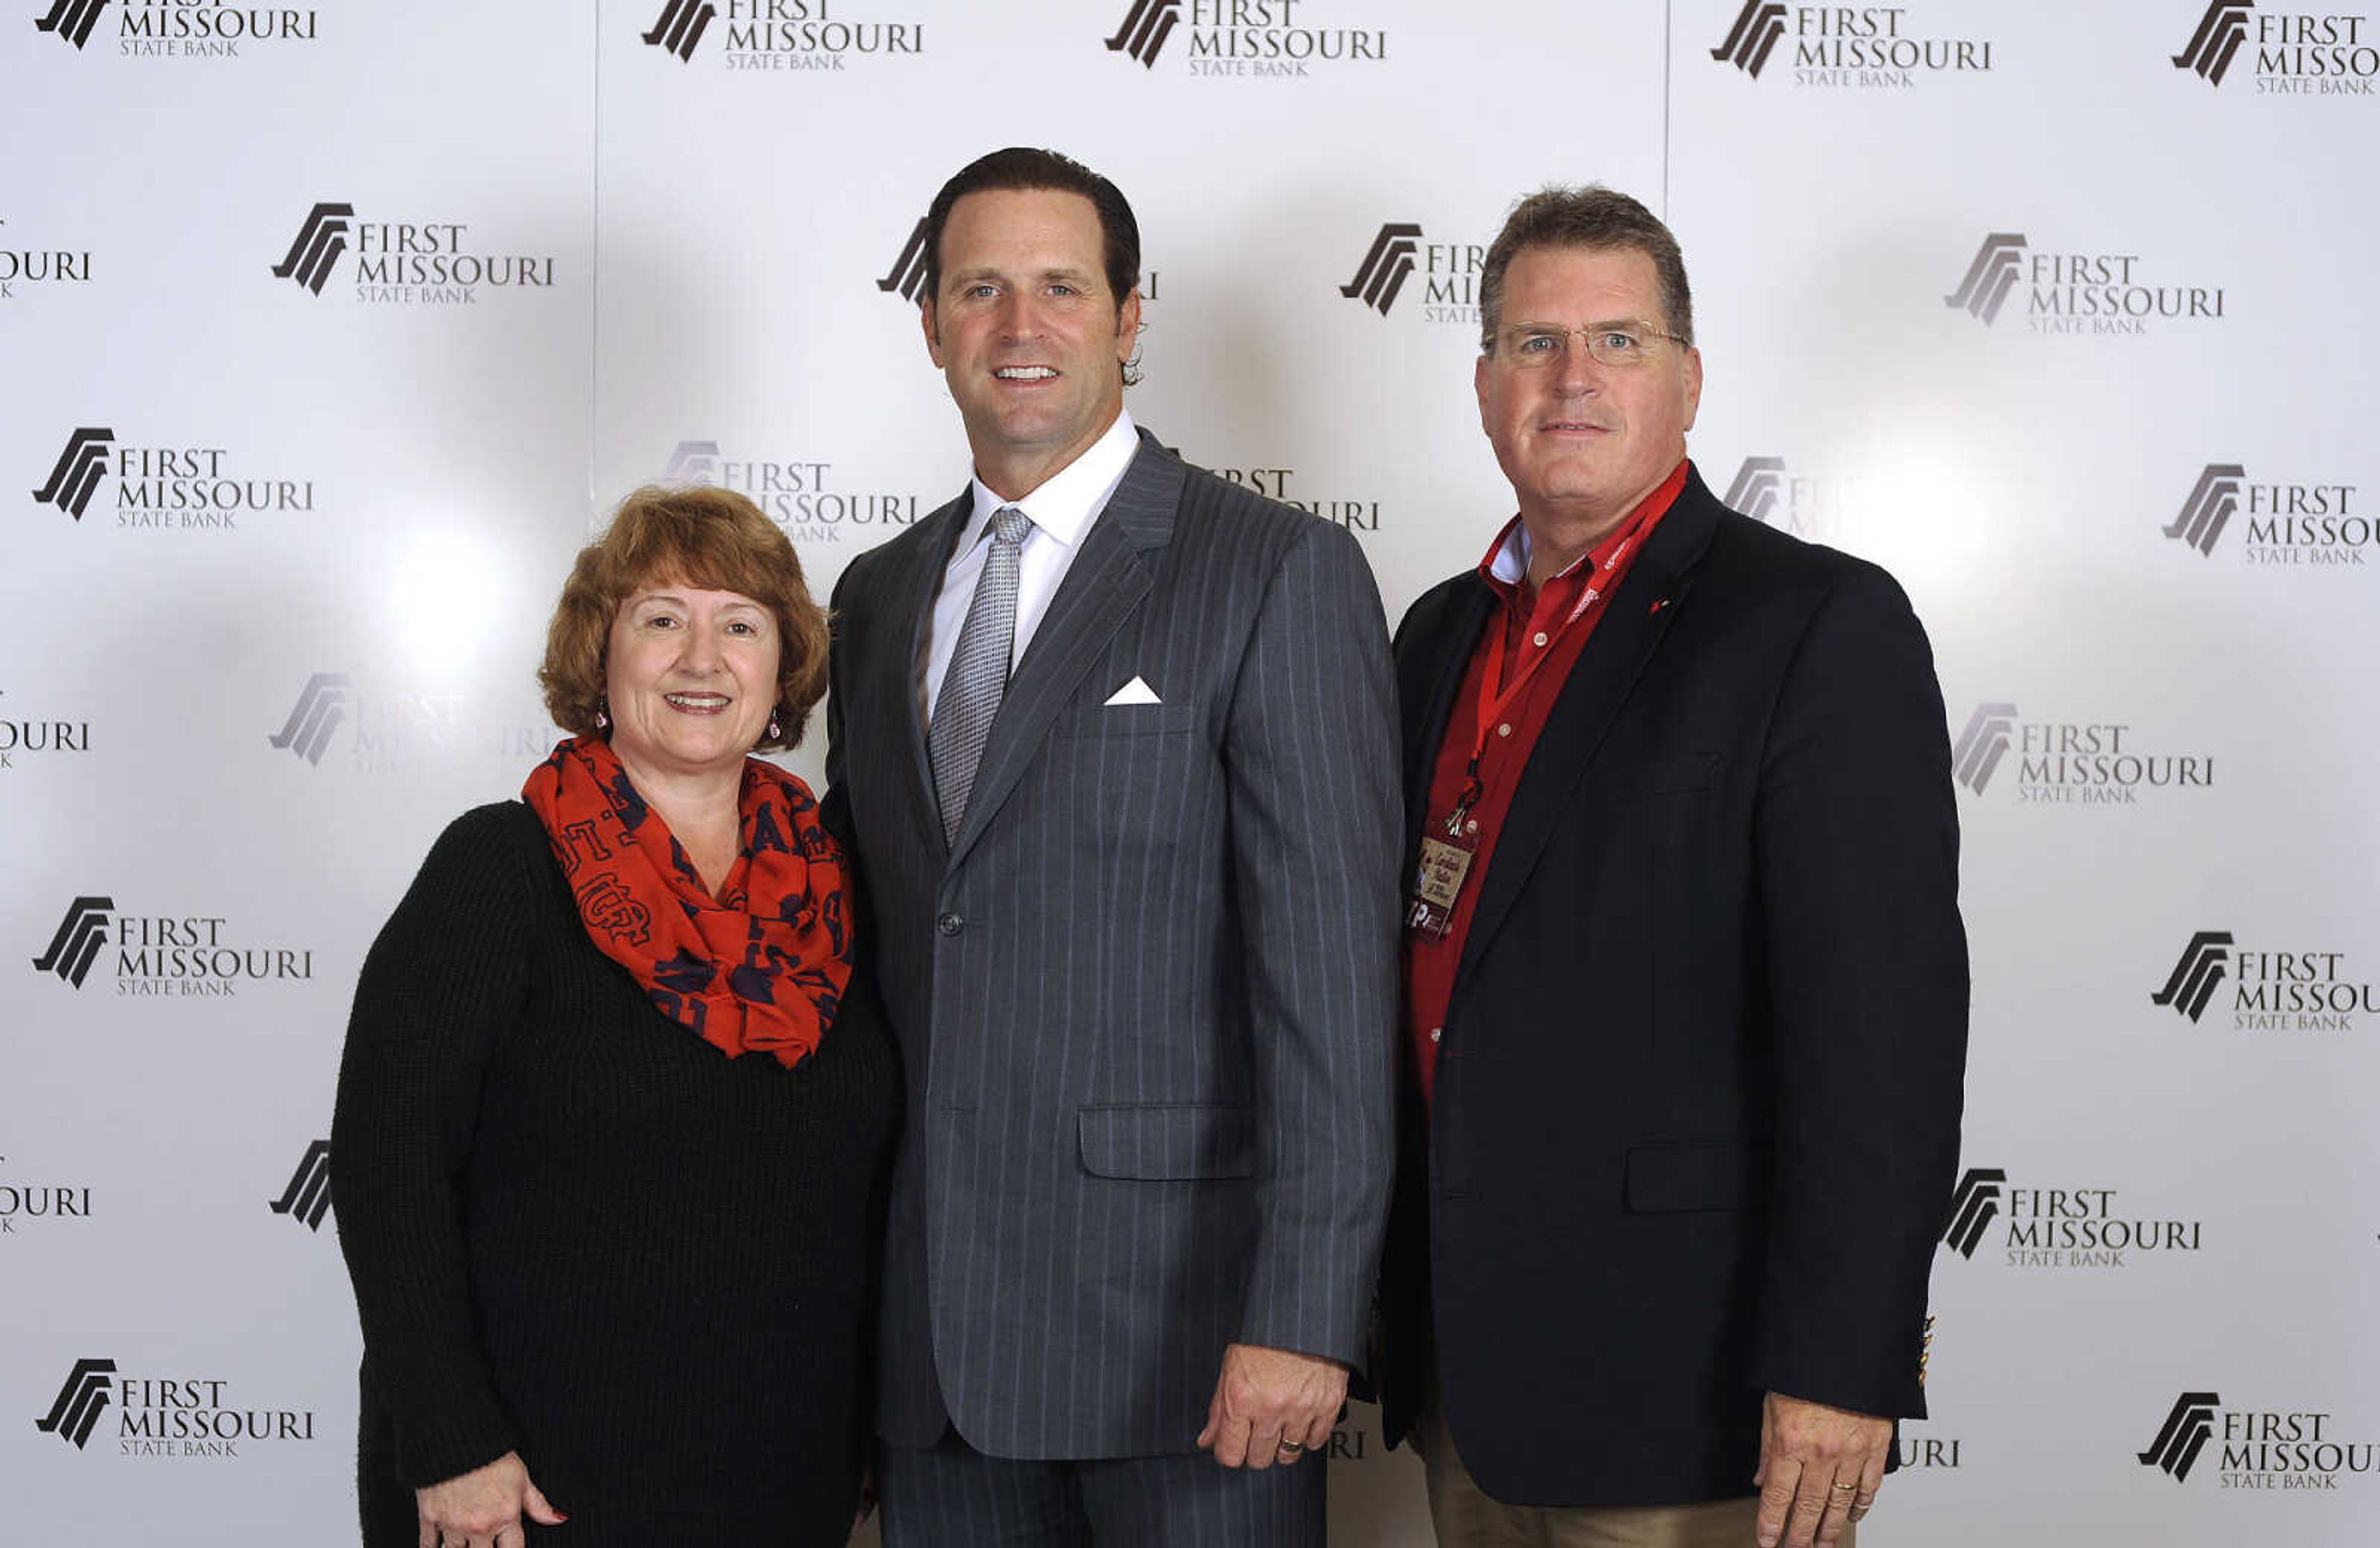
column 326, row 332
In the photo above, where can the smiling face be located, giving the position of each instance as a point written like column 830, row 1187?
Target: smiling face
column 691, row 677
column 1026, row 333
column 1583, row 442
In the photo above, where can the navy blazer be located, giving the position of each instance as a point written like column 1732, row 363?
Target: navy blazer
column 1627, row 1216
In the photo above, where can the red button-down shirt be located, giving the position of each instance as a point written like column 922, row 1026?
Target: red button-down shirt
column 1524, row 628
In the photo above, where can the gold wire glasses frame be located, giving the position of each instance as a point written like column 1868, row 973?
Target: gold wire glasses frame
column 1617, row 344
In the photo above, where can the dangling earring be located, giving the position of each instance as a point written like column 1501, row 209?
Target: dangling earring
column 602, row 715
column 774, row 734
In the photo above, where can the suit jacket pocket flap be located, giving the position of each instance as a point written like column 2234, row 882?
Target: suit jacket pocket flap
column 1160, row 1142
column 1654, row 777
column 1669, row 1178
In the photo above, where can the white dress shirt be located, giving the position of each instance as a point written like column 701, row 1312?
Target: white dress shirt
column 1062, row 510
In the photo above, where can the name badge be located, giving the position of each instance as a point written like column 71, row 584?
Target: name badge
column 1439, row 875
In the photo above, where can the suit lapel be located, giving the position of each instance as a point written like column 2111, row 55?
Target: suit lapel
column 1614, row 657
column 914, row 599
column 1106, row 582
column 1449, row 660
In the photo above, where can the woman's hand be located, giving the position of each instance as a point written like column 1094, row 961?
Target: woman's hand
column 482, row 1508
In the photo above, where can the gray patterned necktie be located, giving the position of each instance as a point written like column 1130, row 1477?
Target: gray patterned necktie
column 978, row 675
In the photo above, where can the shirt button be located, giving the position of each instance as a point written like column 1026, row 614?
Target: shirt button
column 1504, row 730
column 1539, row 638
column 950, row 924
column 1472, row 825
column 1435, row 1033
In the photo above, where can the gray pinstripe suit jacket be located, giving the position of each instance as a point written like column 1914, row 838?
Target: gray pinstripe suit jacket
column 1145, row 1000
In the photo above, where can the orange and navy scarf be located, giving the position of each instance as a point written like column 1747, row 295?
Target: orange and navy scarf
column 763, row 966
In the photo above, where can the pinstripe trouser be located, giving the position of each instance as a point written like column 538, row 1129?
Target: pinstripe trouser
column 954, row 1497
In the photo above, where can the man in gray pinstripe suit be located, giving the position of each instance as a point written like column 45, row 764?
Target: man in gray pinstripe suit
column 1114, row 743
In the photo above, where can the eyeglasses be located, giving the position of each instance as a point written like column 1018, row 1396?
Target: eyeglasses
column 1532, row 345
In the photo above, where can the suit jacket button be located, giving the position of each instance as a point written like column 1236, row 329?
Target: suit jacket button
column 950, row 924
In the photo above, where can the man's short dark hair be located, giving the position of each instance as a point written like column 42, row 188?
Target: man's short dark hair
column 1593, row 217
column 1020, row 169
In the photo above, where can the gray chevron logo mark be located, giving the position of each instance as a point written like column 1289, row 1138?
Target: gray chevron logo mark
column 1758, row 488
column 2220, row 32
column 1145, row 29
column 1386, row 267
column 693, row 462
column 319, row 242
column 321, row 708
column 80, row 934
column 2185, row 1433
column 79, row 468
column 1980, row 746
column 1973, row 1207
column 2210, row 506
column 1989, row 278
column 1757, row 27
column 72, row 20
column 908, row 276
column 80, row 1402
column 2196, row 975
column 681, row 27
column 308, row 1197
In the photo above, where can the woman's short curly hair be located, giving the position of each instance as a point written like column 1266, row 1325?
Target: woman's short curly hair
column 699, row 536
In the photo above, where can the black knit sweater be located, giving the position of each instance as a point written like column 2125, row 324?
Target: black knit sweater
column 579, row 1232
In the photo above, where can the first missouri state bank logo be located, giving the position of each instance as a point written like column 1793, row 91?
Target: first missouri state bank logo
column 2291, row 989
column 779, row 35
column 71, row 20
column 1973, row 1207
column 166, row 954
column 2079, row 763
column 321, row 709
column 2296, row 522
column 1386, row 267
column 2096, row 293
column 2189, row 1425
column 79, row 468
column 179, row 485
column 405, row 262
column 1146, row 28
column 167, row 1416
column 2322, row 53
column 393, row 730
column 2275, row 1449
column 1448, row 271
column 80, row 934
column 2061, row 1226
column 2196, row 975
column 183, row 28
column 79, row 1403
column 307, row 1198
column 1243, row 38
column 1861, row 48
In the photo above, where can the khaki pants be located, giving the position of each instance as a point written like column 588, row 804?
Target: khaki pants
column 1465, row 1518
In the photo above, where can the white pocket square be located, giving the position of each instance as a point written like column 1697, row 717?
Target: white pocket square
column 1138, row 691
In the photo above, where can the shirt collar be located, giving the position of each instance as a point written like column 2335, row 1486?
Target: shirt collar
column 1507, row 560
column 1069, row 499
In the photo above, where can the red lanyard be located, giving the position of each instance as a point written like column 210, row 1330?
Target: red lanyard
column 1495, row 698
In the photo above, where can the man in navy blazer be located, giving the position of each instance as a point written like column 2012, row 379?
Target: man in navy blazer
column 1686, row 983
column 1113, row 741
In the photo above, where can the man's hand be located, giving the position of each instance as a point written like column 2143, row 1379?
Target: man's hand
column 1272, row 1406
column 482, row 1508
column 1819, row 1469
